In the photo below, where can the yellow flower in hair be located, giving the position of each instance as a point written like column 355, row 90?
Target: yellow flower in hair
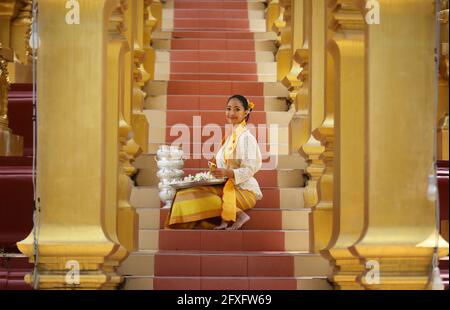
column 251, row 105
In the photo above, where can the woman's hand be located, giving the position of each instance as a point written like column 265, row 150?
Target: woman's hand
column 222, row 173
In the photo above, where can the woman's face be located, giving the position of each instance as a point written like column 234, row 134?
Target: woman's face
column 235, row 112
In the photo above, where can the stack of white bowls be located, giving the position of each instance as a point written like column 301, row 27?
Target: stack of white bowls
column 170, row 164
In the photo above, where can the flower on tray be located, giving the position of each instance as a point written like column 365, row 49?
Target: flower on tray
column 201, row 176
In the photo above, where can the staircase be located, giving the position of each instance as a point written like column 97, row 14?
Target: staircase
column 205, row 52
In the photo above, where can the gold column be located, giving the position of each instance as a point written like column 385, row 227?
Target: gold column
column 442, row 113
column 283, row 28
column 272, row 14
column 132, row 120
column 313, row 149
column 296, row 80
column 10, row 144
column 156, row 9
column 131, row 147
column 299, row 28
column 347, row 49
column 20, row 31
column 141, row 76
column 322, row 216
column 400, row 232
column 149, row 26
column 117, row 50
column 7, row 10
column 76, row 173
column 21, row 70
column 134, row 103
column 127, row 218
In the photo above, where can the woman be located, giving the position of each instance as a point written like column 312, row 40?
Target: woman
column 238, row 159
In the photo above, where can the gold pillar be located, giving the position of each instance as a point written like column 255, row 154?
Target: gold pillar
column 124, row 35
column 296, row 80
column 272, row 14
column 149, row 26
column 76, row 174
column 442, row 113
column 322, row 216
column 313, row 149
column 299, row 14
column 134, row 103
column 20, row 31
column 400, row 232
column 157, row 12
column 10, row 144
column 117, row 49
column 284, row 31
column 7, row 9
column 22, row 69
column 347, row 49
column 139, row 120
column 130, row 119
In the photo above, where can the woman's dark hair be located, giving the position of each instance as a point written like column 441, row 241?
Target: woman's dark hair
column 244, row 102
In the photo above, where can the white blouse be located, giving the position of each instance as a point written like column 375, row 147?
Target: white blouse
column 248, row 155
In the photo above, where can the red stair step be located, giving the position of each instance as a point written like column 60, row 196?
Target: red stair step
column 207, row 117
column 216, row 67
column 177, row 265
column 212, row 44
column 221, row 241
column 210, row 240
column 259, row 219
column 272, row 284
column 217, row 5
column 201, row 34
column 224, row 264
column 206, row 24
column 204, row 103
column 208, row 13
column 215, row 88
column 213, row 77
column 176, row 283
column 224, row 283
column 198, row 55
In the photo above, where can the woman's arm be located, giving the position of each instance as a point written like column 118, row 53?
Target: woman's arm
column 221, row 173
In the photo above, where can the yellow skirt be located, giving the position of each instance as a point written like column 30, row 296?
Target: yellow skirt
column 201, row 207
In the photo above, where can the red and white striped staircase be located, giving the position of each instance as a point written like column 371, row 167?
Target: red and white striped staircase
column 206, row 51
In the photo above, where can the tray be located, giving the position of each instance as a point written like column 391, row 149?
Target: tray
column 198, row 183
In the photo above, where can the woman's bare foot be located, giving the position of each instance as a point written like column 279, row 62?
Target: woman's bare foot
column 222, row 225
column 241, row 219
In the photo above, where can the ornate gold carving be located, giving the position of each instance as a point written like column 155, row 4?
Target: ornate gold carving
column 346, row 46
column 4, row 86
column 10, row 144
column 21, row 31
column 346, row 15
column 272, row 14
column 442, row 112
column 322, row 213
